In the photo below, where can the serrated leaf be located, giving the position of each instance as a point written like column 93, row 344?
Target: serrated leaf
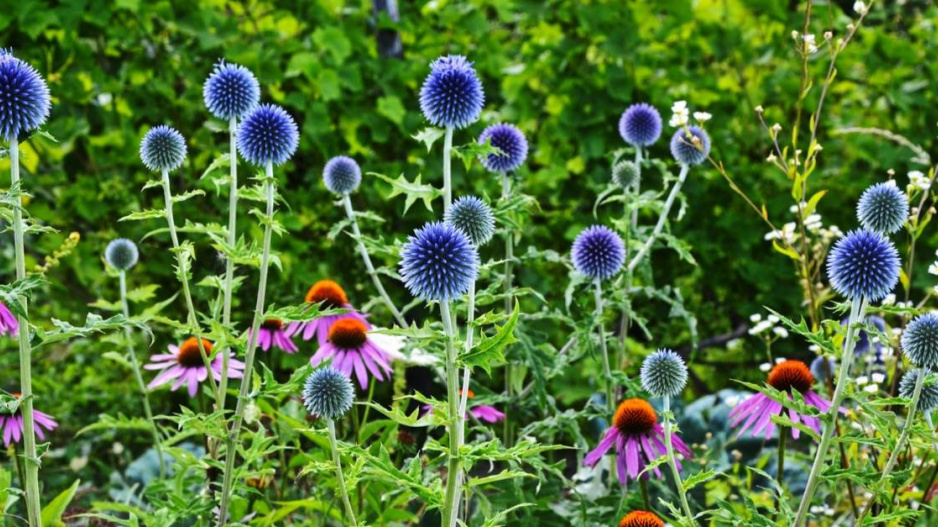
column 490, row 350
column 412, row 190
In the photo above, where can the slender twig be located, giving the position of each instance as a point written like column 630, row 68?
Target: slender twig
column 464, row 395
column 672, row 462
column 340, row 477
column 607, row 371
column 669, row 202
column 232, row 239
column 447, row 169
column 509, row 302
column 451, row 499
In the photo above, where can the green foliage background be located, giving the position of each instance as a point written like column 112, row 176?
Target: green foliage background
column 562, row 70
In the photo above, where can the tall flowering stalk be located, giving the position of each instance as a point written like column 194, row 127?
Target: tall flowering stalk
column 230, row 92
column 25, row 104
column 122, row 255
column 267, row 136
column 439, row 263
column 863, row 266
column 598, row 254
column 342, row 176
column 163, row 150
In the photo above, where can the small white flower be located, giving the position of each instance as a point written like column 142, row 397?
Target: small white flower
column 773, row 319
column 759, row 109
column 828, row 35
column 933, row 268
column 814, row 347
column 777, row 127
column 680, row 115
column 810, row 44
column 702, row 117
column 781, row 332
column 779, row 360
column 755, row 318
column 794, row 34
column 765, row 367
column 873, row 388
column 771, row 158
column 889, row 300
column 862, row 380
column 878, row 377
column 860, row 8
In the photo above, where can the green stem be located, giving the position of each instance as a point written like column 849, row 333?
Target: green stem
column 780, row 470
column 350, row 213
column 903, row 437
column 509, row 305
column 451, row 500
column 464, row 396
column 669, row 445
column 637, row 259
column 31, row 460
column 183, row 271
column 447, row 169
column 607, row 371
column 232, row 239
column 631, row 227
column 643, row 486
column 857, row 308
column 230, row 450
column 125, row 309
column 340, row 478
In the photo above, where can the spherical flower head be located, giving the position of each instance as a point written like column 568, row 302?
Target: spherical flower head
column 231, row 91
column 883, row 208
column 663, row 374
column 268, row 135
column 163, row 148
column 641, row 519
column 920, row 341
column 512, row 146
column 685, row 147
column 598, row 252
column 342, row 175
column 640, row 125
column 328, row 393
column 863, row 264
column 822, row 371
column 472, row 216
column 439, row 262
column 928, row 400
column 625, row 174
column 24, row 97
column 121, row 254
column 452, row 95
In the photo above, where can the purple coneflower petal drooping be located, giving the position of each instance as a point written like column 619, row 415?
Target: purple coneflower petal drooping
column 184, row 366
column 11, row 425
column 329, row 295
column 352, row 352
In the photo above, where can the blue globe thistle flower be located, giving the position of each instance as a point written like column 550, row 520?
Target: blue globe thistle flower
column 685, row 151
column 231, row 91
column 163, row 148
column 472, row 216
column 24, row 97
column 512, row 144
column 328, row 393
column 863, row 264
column 640, row 125
column 452, row 95
column 268, row 135
column 439, row 262
column 820, row 371
column 883, row 208
column 598, row 252
column 663, row 374
column 625, row 174
column 342, row 175
column 920, row 341
column 928, row 400
column 121, row 254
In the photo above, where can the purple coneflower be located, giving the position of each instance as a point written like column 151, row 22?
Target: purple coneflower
column 8, row 322
column 759, row 409
column 331, row 296
column 638, row 439
column 272, row 333
column 12, row 424
column 185, row 366
column 351, row 351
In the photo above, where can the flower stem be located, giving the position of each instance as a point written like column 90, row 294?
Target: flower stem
column 464, row 396
column 509, row 303
column 232, row 239
column 183, row 272
column 780, row 470
column 31, row 460
column 398, row 317
column 340, row 478
column 637, row 259
column 230, row 450
column 447, row 169
column 631, row 227
column 157, row 444
column 669, row 445
column 857, row 308
column 451, row 500
column 903, row 437
column 607, row 371
column 643, row 486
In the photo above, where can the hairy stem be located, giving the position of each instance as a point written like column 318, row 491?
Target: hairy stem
column 230, row 450
column 447, row 169
column 509, row 303
column 451, row 500
column 31, row 460
column 637, row 259
column 232, row 239
column 464, row 396
column 125, row 309
column 669, row 445
column 350, row 213
column 340, row 477
column 183, row 275
column 632, row 226
column 607, row 371
column 857, row 308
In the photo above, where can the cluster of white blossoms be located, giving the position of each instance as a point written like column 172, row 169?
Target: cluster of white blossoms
column 825, row 509
column 813, row 224
column 919, row 180
column 770, row 323
column 680, row 115
column 767, row 366
column 871, row 383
